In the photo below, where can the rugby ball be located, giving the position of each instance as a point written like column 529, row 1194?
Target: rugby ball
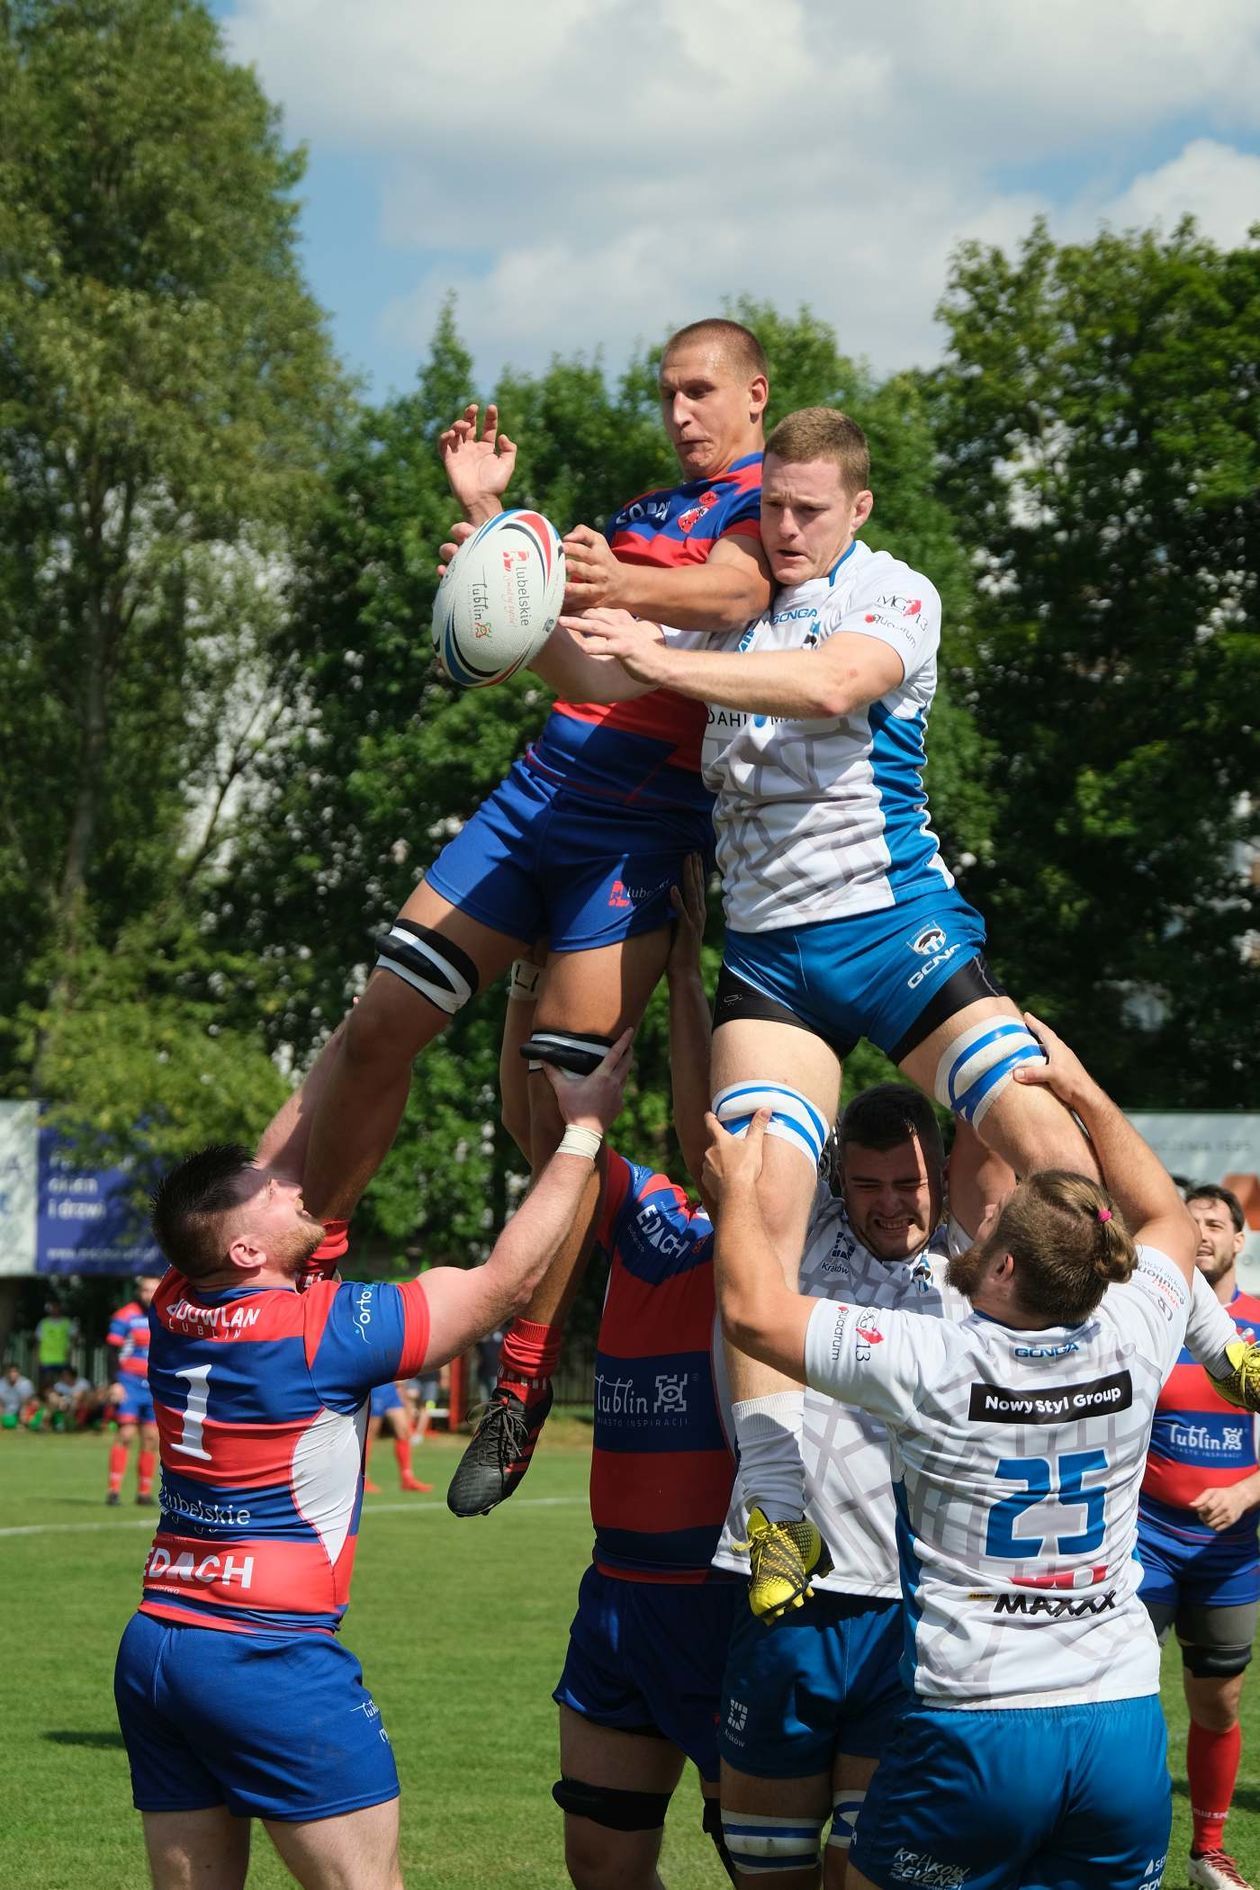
column 499, row 600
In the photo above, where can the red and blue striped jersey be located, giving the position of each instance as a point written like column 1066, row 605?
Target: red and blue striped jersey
column 1198, row 1441
column 662, row 1468
column 648, row 750
column 129, row 1332
column 260, row 1396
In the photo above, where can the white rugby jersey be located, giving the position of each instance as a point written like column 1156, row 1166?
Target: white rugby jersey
column 1016, row 1458
column 820, row 819
column 848, row 1484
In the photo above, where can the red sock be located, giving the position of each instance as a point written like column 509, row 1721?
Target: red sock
column 402, row 1456
column 1212, row 1761
column 323, row 1262
column 530, row 1354
column 117, row 1467
column 144, row 1472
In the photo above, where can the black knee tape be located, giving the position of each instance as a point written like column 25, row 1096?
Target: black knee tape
column 1214, row 1663
column 566, row 1051
column 429, row 963
column 712, row 1822
column 615, row 1810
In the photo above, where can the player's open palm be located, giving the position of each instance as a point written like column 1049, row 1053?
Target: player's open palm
column 479, row 462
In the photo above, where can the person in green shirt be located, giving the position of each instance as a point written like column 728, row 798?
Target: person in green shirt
column 54, row 1336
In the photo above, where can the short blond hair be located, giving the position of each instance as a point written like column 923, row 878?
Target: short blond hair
column 823, row 433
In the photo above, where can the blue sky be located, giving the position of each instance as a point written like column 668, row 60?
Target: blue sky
column 586, row 174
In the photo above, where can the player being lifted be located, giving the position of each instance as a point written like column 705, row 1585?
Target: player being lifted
column 582, row 842
column 843, row 920
column 1035, row 1750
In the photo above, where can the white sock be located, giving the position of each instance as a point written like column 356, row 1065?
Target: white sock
column 771, row 1471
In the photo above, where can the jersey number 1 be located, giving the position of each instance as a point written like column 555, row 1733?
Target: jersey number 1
column 191, row 1439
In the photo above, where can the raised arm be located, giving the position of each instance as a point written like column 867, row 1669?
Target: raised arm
column 1137, row 1180
column 283, row 1143
column 761, row 1314
column 465, row 1304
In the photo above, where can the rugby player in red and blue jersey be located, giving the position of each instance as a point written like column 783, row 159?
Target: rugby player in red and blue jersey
column 235, row 1698
column 641, row 1686
column 128, row 1339
column 582, row 841
column 1199, row 1547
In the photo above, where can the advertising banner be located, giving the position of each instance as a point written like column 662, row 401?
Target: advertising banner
column 19, row 1127
column 1212, row 1147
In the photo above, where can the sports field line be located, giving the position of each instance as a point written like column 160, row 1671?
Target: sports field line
column 376, row 1509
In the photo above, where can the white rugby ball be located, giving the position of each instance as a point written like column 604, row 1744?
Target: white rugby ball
column 500, row 599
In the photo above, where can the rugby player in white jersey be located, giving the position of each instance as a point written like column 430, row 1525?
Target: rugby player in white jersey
column 1034, row 1753
column 843, row 920
column 809, row 1706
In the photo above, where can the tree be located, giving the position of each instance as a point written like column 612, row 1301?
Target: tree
column 168, row 400
column 1097, row 416
column 391, row 759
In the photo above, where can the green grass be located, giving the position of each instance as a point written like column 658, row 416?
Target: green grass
column 461, row 1629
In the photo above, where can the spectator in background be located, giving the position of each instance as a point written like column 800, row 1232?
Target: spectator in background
column 69, row 1399
column 16, row 1392
column 54, row 1335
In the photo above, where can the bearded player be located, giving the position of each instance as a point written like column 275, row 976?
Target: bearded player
column 235, row 1697
column 582, row 843
column 1033, row 1751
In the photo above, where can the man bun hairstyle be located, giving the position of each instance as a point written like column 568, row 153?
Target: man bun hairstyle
column 1069, row 1244
column 738, row 345
column 824, row 433
column 1209, row 1191
column 187, row 1203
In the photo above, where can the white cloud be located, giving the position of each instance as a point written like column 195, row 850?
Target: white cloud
column 590, row 170
column 1213, row 183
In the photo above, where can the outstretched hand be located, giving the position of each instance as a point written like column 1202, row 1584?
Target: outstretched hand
column 478, row 464
column 593, row 1102
column 732, row 1161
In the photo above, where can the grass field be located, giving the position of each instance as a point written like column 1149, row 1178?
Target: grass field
column 461, row 1630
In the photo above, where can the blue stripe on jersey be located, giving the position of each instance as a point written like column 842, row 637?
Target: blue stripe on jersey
column 911, row 1577
column 663, row 1404
column 898, row 757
